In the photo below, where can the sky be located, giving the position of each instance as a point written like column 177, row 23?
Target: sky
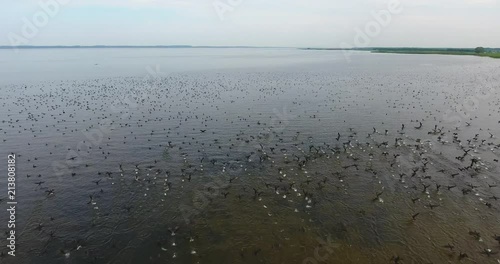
column 279, row 23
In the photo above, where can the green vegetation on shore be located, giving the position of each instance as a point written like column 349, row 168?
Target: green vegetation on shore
column 479, row 51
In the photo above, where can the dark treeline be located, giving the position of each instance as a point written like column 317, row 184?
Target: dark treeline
column 433, row 49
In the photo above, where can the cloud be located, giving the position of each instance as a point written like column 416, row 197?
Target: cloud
column 169, row 4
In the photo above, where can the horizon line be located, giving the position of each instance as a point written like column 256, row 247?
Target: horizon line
column 130, row 46
column 223, row 46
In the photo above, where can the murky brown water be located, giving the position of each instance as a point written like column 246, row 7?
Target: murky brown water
column 245, row 165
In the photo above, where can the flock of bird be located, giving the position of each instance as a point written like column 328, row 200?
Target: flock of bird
column 155, row 167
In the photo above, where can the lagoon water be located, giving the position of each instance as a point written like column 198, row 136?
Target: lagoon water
column 251, row 156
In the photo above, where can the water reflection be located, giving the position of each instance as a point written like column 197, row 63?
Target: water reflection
column 295, row 165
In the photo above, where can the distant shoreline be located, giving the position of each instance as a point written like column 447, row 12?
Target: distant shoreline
column 493, row 53
column 134, row 47
column 489, row 52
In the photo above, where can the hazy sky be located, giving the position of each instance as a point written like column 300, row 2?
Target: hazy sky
column 286, row 23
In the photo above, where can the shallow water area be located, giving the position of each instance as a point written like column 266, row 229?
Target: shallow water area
column 311, row 159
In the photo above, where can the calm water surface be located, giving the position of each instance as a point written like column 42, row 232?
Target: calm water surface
column 251, row 156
